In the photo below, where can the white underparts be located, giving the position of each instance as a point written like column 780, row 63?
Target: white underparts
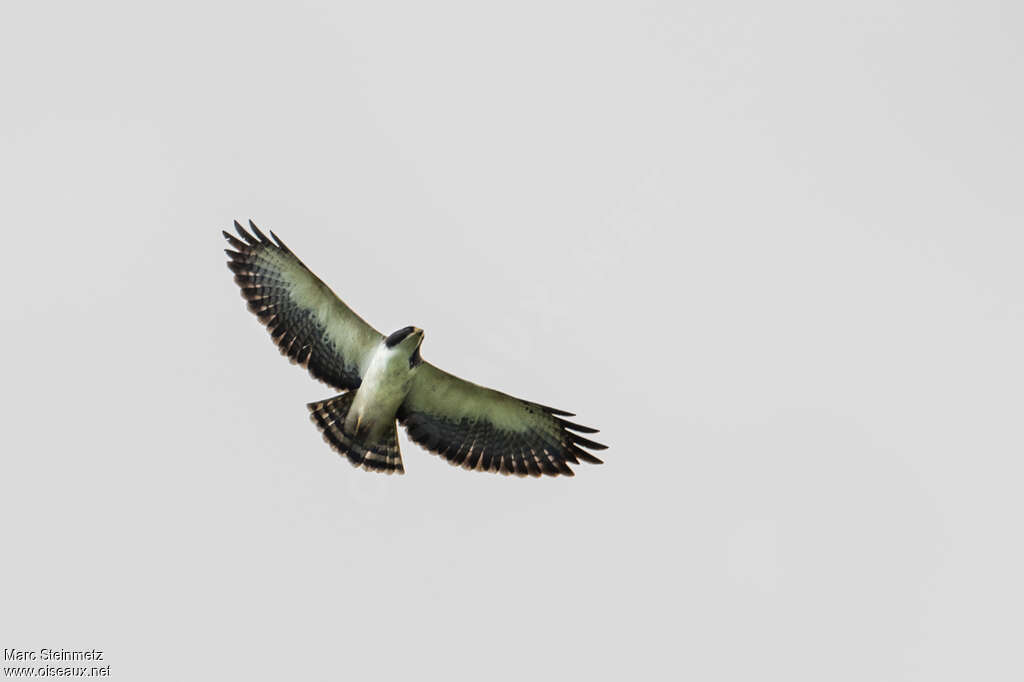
column 385, row 385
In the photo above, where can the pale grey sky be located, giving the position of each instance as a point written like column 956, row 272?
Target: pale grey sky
column 772, row 250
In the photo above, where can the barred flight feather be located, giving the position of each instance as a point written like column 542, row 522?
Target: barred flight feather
column 480, row 429
column 310, row 325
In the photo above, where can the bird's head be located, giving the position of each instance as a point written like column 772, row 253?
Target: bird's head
column 407, row 341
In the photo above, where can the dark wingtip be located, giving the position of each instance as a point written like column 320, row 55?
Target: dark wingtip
column 579, row 440
column 262, row 237
column 244, row 235
column 555, row 410
column 575, row 427
column 584, row 455
column 233, row 240
column 279, row 243
column 563, row 469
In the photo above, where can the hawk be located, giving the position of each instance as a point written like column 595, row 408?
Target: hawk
column 384, row 379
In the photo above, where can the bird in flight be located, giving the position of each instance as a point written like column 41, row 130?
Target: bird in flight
column 384, row 379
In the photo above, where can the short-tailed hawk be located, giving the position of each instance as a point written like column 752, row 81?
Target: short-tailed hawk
column 384, row 379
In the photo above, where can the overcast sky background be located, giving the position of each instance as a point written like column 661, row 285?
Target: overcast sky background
column 772, row 250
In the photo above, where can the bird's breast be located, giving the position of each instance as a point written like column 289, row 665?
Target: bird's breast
column 383, row 388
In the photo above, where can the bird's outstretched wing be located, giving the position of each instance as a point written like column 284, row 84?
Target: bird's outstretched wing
column 310, row 325
column 479, row 428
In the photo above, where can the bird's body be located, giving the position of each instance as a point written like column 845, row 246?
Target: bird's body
column 385, row 379
column 385, row 385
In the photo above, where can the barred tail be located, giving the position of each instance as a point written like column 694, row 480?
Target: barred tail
column 382, row 455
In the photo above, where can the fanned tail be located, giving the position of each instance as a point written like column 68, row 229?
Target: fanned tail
column 382, row 455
